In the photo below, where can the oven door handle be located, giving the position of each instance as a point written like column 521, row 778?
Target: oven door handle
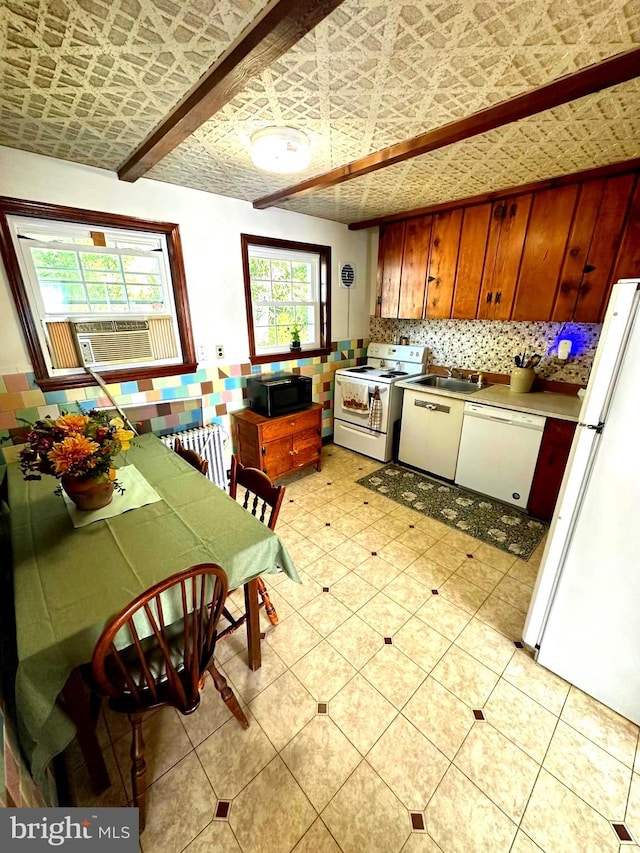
column 381, row 388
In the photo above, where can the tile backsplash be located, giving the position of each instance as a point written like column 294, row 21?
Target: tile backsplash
column 490, row 346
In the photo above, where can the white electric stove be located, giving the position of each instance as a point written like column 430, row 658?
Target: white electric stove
column 366, row 402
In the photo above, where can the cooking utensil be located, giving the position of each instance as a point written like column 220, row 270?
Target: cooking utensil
column 518, row 361
column 534, row 360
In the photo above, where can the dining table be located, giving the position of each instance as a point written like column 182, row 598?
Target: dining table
column 70, row 581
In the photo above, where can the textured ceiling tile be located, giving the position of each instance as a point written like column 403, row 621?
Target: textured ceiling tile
column 593, row 131
column 112, row 70
column 87, row 80
column 372, row 74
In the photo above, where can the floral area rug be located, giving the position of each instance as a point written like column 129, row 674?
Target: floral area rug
column 493, row 522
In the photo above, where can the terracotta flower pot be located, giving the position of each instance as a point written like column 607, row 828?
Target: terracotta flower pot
column 88, row 494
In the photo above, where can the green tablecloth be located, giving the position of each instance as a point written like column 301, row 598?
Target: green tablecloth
column 69, row 582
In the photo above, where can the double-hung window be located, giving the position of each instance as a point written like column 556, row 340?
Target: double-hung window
column 74, row 270
column 286, row 289
column 97, row 292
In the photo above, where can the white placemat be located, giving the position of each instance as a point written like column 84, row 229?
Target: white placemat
column 137, row 493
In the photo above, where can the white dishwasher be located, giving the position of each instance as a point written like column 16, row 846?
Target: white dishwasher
column 498, row 452
column 430, row 432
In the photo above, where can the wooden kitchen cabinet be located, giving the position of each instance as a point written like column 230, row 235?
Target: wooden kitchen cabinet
column 552, row 460
column 390, row 254
column 627, row 263
column 545, row 243
column 547, row 254
column 598, row 226
column 471, row 259
column 443, row 259
column 509, row 219
column 415, row 262
column 278, row 446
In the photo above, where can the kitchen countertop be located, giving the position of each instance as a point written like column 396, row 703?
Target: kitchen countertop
column 565, row 407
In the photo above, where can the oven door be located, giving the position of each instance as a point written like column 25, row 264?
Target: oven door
column 353, row 403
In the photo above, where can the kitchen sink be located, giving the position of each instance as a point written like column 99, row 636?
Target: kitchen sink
column 461, row 386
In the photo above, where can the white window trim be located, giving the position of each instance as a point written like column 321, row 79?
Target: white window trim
column 293, row 255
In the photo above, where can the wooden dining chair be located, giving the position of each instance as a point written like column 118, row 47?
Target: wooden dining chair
column 140, row 662
column 263, row 500
column 194, row 459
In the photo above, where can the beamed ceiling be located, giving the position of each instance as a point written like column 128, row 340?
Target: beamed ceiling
column 88, row 80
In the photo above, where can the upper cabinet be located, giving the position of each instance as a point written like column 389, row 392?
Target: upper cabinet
column 547, row 254
column 415, row 262
column 502, row 260
column 471, row 256
column 596, row 232
column 389, row 269
column 545, row 242
column 443, row 260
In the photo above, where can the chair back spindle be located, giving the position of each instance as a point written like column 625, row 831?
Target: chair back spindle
column 141, row 661
column 156, row 652
column 258, row 488
column 194, row 459
column 263, row 500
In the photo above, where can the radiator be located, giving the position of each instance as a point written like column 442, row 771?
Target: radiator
column 209, row 442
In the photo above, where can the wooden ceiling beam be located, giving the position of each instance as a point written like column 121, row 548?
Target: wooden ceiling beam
column 610, row 72
column 281, row 24
column 608, row 171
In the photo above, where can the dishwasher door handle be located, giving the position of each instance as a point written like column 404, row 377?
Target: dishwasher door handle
column 433, row 407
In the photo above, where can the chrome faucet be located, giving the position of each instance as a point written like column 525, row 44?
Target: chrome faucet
column 451, row 371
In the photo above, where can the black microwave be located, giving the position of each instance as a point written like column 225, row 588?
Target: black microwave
column 274, row 394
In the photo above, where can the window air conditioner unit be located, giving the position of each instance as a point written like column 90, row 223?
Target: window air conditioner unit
column 113, row 342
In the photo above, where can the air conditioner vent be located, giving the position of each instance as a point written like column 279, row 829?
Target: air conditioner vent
column 113, row 341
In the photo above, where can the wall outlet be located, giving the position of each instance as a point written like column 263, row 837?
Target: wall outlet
column 219, row 351
column 201, row 353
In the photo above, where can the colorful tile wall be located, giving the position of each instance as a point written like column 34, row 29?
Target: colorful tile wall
column 161, row 405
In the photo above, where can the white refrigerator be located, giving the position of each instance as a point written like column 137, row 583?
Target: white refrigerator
column 584, row 617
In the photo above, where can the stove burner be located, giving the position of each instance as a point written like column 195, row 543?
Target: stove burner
column 362, row 369
column 393, row 373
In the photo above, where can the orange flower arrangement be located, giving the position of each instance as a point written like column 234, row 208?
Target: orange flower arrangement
column 80, row 446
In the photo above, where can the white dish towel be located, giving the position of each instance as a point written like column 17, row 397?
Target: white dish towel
column 355, row 397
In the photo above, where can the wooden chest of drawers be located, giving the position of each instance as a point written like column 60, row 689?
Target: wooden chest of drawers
column 278, row 446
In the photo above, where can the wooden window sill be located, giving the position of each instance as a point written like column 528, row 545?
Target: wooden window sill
column 112, row 377
column 288, row 355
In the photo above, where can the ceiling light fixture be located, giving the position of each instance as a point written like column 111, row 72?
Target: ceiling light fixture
column 280, row 149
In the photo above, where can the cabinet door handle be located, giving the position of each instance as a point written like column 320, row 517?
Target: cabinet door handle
column 498, row 297
column 489, row 297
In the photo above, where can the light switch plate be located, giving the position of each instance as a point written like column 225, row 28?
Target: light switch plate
column 201, row 352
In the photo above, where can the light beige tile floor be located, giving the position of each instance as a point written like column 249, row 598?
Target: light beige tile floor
column 548, row 769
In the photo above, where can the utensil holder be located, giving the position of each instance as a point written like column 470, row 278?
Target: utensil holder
column 522, row 379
